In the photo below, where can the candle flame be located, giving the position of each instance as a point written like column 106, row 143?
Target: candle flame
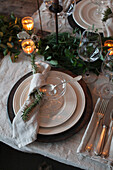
column 28, row 23
column 28, row 46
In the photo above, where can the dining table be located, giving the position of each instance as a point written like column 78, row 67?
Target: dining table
column 62, row 147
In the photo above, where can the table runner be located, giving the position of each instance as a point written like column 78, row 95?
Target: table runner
column 64, row 151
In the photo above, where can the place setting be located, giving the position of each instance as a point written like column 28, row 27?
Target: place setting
column 47, row 115
column 59, row 116
column 62, row 113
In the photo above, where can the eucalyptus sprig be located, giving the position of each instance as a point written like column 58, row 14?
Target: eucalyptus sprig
column 33, row 64
column 9, row 27
column 106, row 14
column 36, row 97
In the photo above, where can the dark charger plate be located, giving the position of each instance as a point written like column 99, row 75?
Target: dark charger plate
column 68, row 133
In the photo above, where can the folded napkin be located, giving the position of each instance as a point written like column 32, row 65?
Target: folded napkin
column 108, row 25
column 90, row 128
column 25, row 132
column 108, row 28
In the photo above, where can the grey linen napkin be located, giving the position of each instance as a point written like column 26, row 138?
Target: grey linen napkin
column 81, row 148
column 25, row 132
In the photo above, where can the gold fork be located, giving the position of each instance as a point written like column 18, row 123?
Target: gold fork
column 105, row 152
column 100, row 115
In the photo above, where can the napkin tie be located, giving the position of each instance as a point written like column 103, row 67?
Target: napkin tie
column 25, row 132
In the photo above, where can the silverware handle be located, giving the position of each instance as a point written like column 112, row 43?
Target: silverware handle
column 107, row 145
column 100, row 144
column 91, row 140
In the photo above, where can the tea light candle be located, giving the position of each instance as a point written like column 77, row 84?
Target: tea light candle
column 28, row 46
column 108, row 43
column 28, row 23
column 111, row 52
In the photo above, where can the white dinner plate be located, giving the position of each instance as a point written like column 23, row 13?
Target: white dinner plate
column 88, row 14
column 84, row 15
column 75, row 116
column 52, row 113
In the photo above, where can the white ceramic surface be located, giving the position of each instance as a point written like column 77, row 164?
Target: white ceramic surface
column 84, row 15
column 75, row 116
column 59, row 110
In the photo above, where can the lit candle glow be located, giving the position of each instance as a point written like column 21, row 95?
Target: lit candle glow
column 28, row 23
column 28, row 46
column 111, row 52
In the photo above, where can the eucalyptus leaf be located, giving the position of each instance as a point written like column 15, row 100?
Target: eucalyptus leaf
column 12, row 16
column 47, row 47
column 1, row 34
column 9, row 45
column 5, row 52
column 10, row 38
column 53, row 62
column 49, row 57
column 4, row 28
column 17, row 27
column 2, row 45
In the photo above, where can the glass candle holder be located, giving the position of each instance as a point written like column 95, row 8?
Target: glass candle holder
column 28, row 23
column 109, row 44
column 28, row 46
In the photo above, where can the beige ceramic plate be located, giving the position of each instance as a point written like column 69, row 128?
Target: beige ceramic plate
column 52, row 113
column 75, row 116
column 84, row 15
column 88, row 14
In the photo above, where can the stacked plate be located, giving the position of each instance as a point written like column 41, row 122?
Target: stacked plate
column 85, row 15
column 56, row 120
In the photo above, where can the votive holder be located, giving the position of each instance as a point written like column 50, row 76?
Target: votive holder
column 28, row 46
column 28, row 23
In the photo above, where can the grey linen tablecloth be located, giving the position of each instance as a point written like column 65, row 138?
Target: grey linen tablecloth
column 64, row 151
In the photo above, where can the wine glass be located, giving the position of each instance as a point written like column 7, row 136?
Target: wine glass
column 68, row 7
column 54, row 101
column 106, row 90
column 89, row 51
column 51, row 23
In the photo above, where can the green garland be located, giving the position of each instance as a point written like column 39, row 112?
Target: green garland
column 9, row 28
column 65, row 53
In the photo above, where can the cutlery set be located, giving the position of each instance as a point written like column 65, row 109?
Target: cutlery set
column 105, row 112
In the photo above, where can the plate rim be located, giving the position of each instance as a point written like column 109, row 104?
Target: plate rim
column 27, row 81
column 81, row 10
column 60, row 129
column 78, row 19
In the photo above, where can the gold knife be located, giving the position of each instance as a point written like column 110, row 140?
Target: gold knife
column 106, row 122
